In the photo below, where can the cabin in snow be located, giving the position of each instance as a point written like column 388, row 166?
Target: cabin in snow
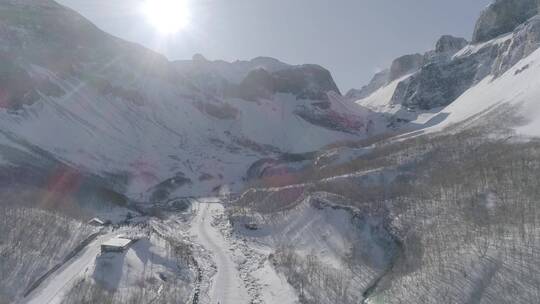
column 98, row 222
column 116, row 244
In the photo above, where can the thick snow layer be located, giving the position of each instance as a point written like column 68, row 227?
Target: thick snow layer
column 151, row 259
column 380, row 100
column 155, row 141
column 121, row 272
column 520, row 87
column 244, row 273
column 274, row 287
column 117, row 242
column 54, row 289
column 32, row 242
column 110, row 111
column 320, row 230
column 326, row 233
column 474, row 48
column 165, row 135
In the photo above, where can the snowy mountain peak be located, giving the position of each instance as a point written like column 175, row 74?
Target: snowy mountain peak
column 150, row 127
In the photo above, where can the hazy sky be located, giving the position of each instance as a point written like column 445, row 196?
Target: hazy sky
column 352, row 38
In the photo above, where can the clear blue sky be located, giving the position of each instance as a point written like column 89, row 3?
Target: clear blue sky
column 352, row 38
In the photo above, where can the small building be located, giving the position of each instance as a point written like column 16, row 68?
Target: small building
column 97, row 222
column 116, row 244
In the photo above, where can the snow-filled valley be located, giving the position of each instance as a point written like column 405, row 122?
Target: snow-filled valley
column 129, row 178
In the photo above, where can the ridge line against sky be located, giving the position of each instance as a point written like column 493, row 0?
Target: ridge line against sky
column 352, row 38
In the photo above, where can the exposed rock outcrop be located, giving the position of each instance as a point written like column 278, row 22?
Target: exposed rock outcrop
column 442, row 81
column 437, row 84
column 258, row 78
column 503, row 16
column 305, row 82
column 405, row 65
column 448, row 44
column 525, row 41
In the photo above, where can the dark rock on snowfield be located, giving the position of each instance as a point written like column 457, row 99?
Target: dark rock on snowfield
column 437, row 84
column 306, row 82
column 446, row 46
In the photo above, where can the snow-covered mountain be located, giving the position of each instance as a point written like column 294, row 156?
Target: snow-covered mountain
column 498, row 66
column 150, row 126
column 345, row 203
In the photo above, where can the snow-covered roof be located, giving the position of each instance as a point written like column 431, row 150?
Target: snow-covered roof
column 96, row 220
column 117, row 242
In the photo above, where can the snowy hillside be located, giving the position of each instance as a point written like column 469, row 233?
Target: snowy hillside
column 154, row 128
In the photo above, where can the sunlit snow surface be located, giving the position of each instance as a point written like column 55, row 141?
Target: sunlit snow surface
column 166, row 135
column 519, row 87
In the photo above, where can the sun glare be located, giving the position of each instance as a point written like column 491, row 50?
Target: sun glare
column 167, row 16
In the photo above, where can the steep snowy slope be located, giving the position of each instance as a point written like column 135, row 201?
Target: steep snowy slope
column 457, row 81
column 518, row 88
column 117, row 110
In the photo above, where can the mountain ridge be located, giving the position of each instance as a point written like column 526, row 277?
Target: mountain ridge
column 116, row 109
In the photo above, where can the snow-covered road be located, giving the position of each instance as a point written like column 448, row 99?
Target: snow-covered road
column 55, row 287
column 242, row 273
column 227, row 287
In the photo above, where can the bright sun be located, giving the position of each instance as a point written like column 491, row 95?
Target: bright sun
column 167, row 16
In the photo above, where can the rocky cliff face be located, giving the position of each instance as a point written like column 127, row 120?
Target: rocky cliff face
column 448, row 44
column 503, row 16
column 453, row 67
column 405, row 65
column 436, row 84
column 441, row 81
column 259, row 78
column 445, row 47
column 525, row 40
